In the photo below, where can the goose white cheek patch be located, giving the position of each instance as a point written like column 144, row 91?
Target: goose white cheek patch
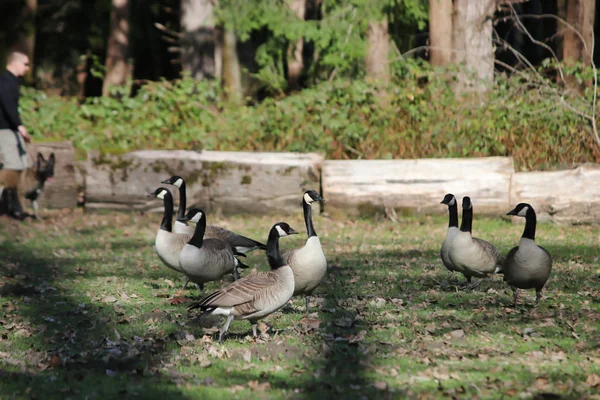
column 523, row 212
column 162, row 194
column 281, row 231
column 178, row 182
column 452, row 202
column 196, row 217
column 307, row 198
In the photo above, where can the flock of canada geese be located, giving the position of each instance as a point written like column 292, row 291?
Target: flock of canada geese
column 205, row 253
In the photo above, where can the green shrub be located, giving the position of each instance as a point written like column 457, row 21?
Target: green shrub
column 414, row 117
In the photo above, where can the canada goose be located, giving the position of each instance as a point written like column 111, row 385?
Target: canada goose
column 180, row 225
column 472, row 256
column 452, row 232
column 254, row 296
column 168, row 244
column 308, row 262
column 206, row 259
column 241, row 243
column 528, row 265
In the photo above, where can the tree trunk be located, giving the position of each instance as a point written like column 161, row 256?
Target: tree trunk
column 377, row 64
column 199, row 38
column 232, row 74
column 580, row 14
column 26, row 39
column 561, row 12
column 294, row 54
column 117, row 69
column 472, row 37
column 440, row 32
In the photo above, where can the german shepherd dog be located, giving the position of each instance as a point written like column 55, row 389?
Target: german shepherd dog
column 16, row 186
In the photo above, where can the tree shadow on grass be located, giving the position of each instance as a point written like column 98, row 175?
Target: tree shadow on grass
column 67, row 347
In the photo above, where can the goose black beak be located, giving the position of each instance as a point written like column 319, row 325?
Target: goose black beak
column 511, row 212
column 151, row 194
column 292, row 231
column 167, row 181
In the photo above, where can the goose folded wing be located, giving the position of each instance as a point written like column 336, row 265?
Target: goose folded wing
column 239, row 292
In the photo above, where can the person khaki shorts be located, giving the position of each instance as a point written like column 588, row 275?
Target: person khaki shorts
column 13, row 150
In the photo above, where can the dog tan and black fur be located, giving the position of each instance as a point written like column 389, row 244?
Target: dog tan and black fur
column 28, row 184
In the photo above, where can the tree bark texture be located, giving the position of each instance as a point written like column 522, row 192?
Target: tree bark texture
column 377, row 64
column 26, row 39
column 440, row 32
column 472, row 37
column 199, row 38
column 232, row 73
column 580, row 15
column 117, row 69
column 294, row 54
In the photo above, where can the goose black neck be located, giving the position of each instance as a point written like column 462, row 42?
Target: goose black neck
column 167, row 224
column 453, row 214
column 530, row 223
column 273, row 253
column 467, row 220
column 198, row 236
column 182, row 202
column 310, row 229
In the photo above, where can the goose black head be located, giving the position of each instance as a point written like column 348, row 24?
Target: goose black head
column 311, row 196
column 466, row 203
column 194, row 215
column 449, row 200
column 175, row 180
column 521, row 210
column 161, row 193
column 283, row 229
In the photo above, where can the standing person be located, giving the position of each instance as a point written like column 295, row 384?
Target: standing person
column 13, row 134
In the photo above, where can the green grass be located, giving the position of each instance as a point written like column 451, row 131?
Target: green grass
column 88, row 311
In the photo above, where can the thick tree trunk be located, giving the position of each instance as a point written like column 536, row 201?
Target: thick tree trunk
column 117, row 69
column 377, row 64
column 294, row 54
column 232, row 74
column 578, row 47
column 580, row 14
column 199, row 40
column 26, row 39
column 472, row 37
column 561, row 12
column 440, row 31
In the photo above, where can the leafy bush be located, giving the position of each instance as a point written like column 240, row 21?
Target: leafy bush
column 416, row 116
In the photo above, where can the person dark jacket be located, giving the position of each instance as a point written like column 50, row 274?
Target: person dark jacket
column 9, row 101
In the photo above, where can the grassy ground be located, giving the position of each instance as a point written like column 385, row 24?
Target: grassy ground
column 88, row 311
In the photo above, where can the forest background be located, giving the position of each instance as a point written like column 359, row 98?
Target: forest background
column 355, row 79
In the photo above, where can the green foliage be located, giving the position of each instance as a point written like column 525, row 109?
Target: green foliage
column 339, row 36
column 416, row 116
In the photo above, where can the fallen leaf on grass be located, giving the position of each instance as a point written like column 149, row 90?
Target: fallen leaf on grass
column 109, row 299
column 169, row 283
column 178, row 300
column 236, row 388
column 593, row 380
column 457, row 334
column 541, row 383
column 380, row 385
column 310, row 324
column 247, row 355
column 259, row 387
column 55, row 361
